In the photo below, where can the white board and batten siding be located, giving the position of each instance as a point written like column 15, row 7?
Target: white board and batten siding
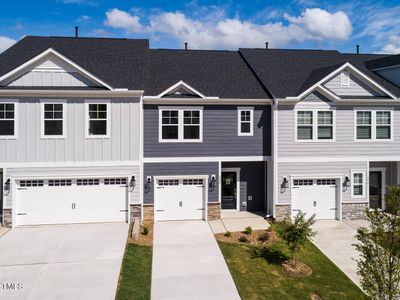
column 356, row 87
column 121, row 145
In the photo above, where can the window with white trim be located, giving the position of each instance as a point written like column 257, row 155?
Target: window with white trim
column 53, row 120
column 315, row 125
column 98, row 119
column 7, row 120
column 245, row 121
column 357, row 184
column 374, row 125
column 180, row 125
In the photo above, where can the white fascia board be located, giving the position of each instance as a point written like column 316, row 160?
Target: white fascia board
column 206, row 159
column 183, row 84
column 211, row 101
column 122, row 163
column 314, row 159
column 59, row 55
column 337, row 71
column 72, row 93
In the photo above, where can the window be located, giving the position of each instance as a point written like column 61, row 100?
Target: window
column 89, row 181
column 60, row 182
column 31, row 183
column 315, row 125
column 301, row 182
column 374, row 125
column 53, row 120
column 180, row 125
column 98, row 124
column 192, row 181
column 358, row 190
column 345, row 78
column 7, row 120
column 245, row 121
column 115, row 181
column 164, row 182
column 326, row 181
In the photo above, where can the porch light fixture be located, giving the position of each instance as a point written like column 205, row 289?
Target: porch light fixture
column 132, row 183
column 148, row 182
column 347, row 182
column 285, row 183
column 213, row 180
column 7, row 186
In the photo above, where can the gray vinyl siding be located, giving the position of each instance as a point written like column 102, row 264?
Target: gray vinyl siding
column 77, row 171
column 122, row 145
column 391, row 74
column 253, row 182
column 220, row 134
column 344, row 145
column 342, row 169
column 356, row 87
column 174, row 169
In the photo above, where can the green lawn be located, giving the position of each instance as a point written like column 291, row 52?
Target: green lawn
column 135, row 277
column 258, row 275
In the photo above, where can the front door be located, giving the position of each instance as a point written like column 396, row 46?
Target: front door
column 375, row 189
column 229, row 190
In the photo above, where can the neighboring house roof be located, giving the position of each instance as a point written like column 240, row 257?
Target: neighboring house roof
column 222, row 74
column 288, row 73
column 119, row 62
column 383, row 62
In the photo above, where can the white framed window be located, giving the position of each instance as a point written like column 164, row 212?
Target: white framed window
column 373, row 124
column 180, row 124
column 345, row 78
column 245, row 121
column 53, row 118
column 8, row 119
column 315, row 125
column 357, row 184
column 98, row 119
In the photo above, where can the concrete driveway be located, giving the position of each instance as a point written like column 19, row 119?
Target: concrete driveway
column 188, row 264
column 62, row 261
column 335, row 239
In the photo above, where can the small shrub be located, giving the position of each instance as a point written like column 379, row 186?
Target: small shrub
column 227, row 234
column 243, row 239
column 263, row 237
column 145, row 230
column 248, row 230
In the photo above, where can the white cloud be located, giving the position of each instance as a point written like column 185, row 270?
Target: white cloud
column 323, row 24
column 231, row 33
column 5, row 43
column 393, row 46
column 83, row 18
column 120, row 19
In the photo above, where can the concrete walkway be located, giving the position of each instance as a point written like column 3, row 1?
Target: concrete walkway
column 62, row 262
column 335, row 239
column 188, row 264
column 233, row 220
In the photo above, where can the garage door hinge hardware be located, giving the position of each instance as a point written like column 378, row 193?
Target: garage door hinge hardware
column 20, row 189
column 160, row 187
column 21, row 214
column 123, row 210
column 333, row 208
column 160, row 209
column 296, row 209
column 200, row 209
column 296, row 187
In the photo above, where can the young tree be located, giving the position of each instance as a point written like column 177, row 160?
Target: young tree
column 297, row 233
column 379, row 247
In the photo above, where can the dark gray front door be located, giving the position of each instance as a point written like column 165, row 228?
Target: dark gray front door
column 375, row 189
column 229, row 190
column 1, row 196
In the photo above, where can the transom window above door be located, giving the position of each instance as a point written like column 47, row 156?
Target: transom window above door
column 373, row 125
column 8, row 120
column 315, row 125
column 53, row 120
column 180, row 125
column 98, row 120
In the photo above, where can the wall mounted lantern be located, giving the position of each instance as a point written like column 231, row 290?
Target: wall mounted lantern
column 285, row 183
column 7, row 186
column 148, row 182
column 347, row 182
column 213, row 180
column 132, row 183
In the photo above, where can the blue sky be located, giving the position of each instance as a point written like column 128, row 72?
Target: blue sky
column 231, row 24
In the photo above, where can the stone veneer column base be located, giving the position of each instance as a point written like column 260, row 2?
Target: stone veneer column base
column 213, row 211
column 148, row 213
column 136, row 212
column 282, row 212
column 7, row 217
column 354, row 211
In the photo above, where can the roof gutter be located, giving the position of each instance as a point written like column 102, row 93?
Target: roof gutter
column 72, row 93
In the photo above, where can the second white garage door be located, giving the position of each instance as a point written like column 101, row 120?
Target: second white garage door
column 315, row 196
column 179, row 199
column 63, row 201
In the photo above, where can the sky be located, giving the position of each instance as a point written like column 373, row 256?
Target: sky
column 230, row 24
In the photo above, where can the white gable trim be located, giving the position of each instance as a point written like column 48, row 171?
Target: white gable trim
column 62, row 57
column 184, row 85
column 353, row 69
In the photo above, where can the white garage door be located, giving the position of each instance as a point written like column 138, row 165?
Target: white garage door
column 179, row 199
column 315, row 196
column 63, row 201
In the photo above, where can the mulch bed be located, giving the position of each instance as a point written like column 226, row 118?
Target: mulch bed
column 296, row 268
column 257, row 237
column 142, row 238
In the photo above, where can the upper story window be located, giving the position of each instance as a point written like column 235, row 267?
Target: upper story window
column 345, row 78
column 53, row 120
column 245, row 121
column 358, row 184
column 8, row 120
column 98, row 119
column 315, row 125
column 180, row 125
column 374, row 125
